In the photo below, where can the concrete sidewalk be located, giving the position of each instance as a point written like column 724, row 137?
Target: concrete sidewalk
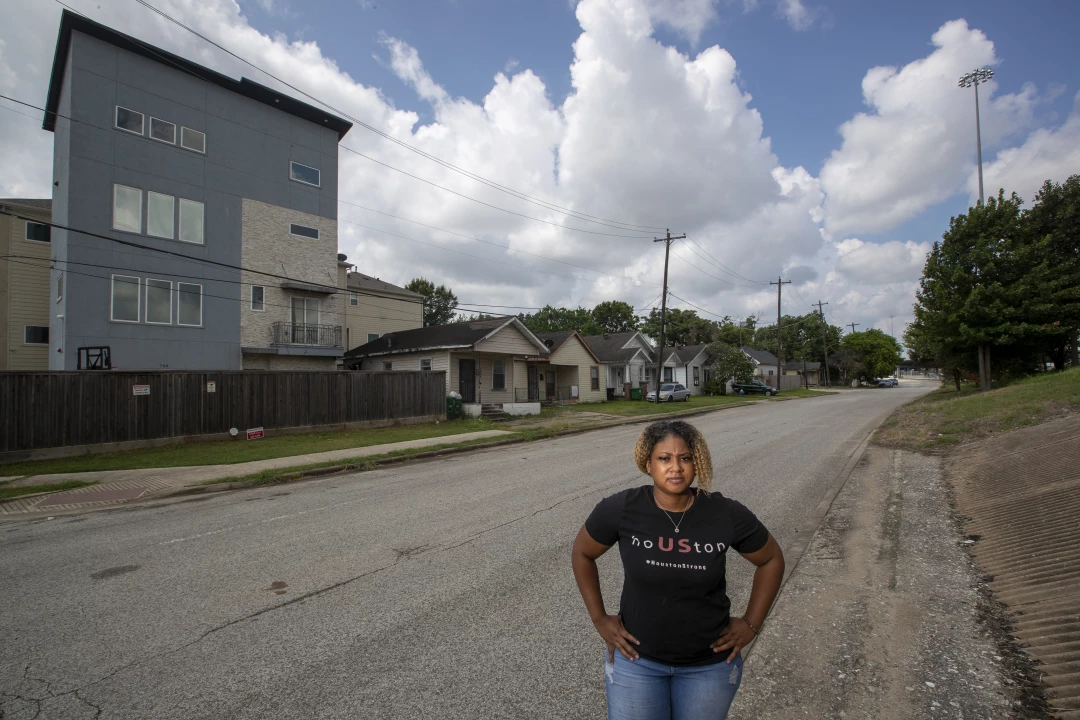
column 118, row 486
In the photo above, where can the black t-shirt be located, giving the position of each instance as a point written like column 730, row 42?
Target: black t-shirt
column 674, row 597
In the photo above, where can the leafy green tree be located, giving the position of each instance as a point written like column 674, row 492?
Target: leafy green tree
column 874, row 354
column 440, row 303
column 729, row 363
column 682, row 327
column 555, row 319
column 614, row 316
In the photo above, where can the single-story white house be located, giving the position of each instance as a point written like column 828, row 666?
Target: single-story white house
column 765, row 364
column 478, row 357
column 688, row 365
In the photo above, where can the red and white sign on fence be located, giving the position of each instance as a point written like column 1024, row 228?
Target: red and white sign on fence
column 255, row 433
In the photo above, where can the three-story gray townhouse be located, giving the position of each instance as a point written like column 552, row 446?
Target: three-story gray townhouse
column 201, row 213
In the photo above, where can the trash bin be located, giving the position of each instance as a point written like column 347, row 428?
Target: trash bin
column 635, row 393
column 453, row 408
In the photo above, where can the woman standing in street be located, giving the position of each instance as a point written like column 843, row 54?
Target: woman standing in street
column 673, row 650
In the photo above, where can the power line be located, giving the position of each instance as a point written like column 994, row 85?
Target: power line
column 725, row 267
column 695, row 306
column 450, row 166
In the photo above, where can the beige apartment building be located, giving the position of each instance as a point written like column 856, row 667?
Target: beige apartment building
column 374, row 308
column 26, row 247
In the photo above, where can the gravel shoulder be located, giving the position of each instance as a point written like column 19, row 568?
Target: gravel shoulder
column 881, row 618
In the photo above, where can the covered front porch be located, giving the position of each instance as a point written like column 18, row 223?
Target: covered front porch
column 547, row 383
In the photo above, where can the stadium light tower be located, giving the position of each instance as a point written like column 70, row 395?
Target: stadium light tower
column 973, row 78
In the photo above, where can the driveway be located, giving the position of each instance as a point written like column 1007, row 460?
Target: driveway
column 433, row 590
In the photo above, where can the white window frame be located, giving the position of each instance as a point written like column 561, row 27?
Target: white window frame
column 388, row 366
column 425, row 360
column 305, row 182
column 116, row 120
column 262, row 302
column 354, row 299
column 146, row 301
column 119, row 229
column 697, row 375
column 494, row 373
column 172, row 215
column 180, row 229
column 306, row 227
column 34, row 344
column 112, row 299
column 178, row 286
column 26, row 233
column 191, row 149
column 60, row 286
column 150, row 129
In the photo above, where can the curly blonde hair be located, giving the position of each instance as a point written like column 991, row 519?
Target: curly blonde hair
column 693, row 438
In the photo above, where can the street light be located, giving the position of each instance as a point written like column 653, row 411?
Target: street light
column 973, row 78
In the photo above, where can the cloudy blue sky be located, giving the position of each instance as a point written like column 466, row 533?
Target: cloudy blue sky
column 824, row 141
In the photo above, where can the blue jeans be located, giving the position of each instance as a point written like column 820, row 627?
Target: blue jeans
column 648, row 690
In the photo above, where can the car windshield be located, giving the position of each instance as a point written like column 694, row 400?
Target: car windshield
column 667, row 388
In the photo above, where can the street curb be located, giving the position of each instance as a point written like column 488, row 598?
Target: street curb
column 796, row 548
column 430, row 454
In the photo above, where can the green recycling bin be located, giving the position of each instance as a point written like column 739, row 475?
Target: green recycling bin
column 635, row 393
column 453, row 408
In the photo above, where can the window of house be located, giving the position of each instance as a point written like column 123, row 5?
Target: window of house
column 38, row 232
column 127, row 209
column 190, row 304
column 667, row 374
column 304, row 174
column 159, row 215
column 129, row 120
column 770, row 372
column 697, row 375
column 387, row 366
column 59, row 287
column 354, row 299
column 158, row 302
column 594, row 378
column 191, row 221
column 498, row 374
column 371, row 337
column 192, row 140
column 125, row 299
column 258, row 294
column 35, row 334
column 305, row 311
column 163, row 131
column 425, row 363
column 304, row 231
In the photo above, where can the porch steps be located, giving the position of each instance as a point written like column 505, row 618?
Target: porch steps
column 494, row 413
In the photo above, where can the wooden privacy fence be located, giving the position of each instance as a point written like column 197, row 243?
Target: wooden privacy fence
column 56, row 409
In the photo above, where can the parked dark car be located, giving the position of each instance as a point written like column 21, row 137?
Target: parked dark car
column 755, row 386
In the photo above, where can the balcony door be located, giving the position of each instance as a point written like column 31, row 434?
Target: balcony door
column 305, row 321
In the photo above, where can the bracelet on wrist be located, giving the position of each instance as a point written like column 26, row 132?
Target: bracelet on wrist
column 750, row 625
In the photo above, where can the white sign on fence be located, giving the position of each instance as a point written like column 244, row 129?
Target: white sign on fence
column 140, row 390
column 211, row 386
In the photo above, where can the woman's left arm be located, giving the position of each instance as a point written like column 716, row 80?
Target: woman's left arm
column 767, row 577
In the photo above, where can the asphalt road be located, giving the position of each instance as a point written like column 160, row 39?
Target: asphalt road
column 435, row 590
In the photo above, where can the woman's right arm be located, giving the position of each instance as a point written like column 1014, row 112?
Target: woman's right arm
column 610, row 627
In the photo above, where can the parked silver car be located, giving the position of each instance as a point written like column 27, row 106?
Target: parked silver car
column 888, row 382
column 670, row 392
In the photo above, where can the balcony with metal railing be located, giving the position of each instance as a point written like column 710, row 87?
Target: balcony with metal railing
column 319, row 336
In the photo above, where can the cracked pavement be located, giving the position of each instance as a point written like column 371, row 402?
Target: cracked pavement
column 436, row 589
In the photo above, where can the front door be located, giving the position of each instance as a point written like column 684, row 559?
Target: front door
column 467, row 380
column 549, row 382
column 534, row 384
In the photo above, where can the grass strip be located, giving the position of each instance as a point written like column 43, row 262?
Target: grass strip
column 948, row 417
column 12, row 493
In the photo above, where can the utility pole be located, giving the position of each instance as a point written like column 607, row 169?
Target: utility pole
column 824, row 342
column 853, row 327
column 780, row 283
column 740, row 332
column 891, row 326
column 663, row 307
